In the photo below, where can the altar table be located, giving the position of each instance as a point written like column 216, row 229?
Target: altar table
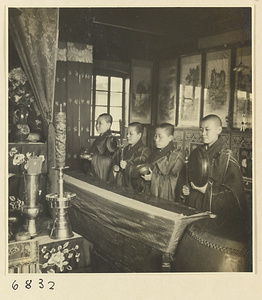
column 138, row 234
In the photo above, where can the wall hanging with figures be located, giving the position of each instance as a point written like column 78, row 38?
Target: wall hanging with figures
column 217, row 84
column 242, row 115
column 195, row 85
column 190, row 90
column 141, row 91
column 167, row 91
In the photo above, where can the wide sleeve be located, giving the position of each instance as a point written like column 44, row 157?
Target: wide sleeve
column 225, row 194
column 174, row 173
column 170, row 165
column 140, row 157
column 181, row 181
column 165, row 175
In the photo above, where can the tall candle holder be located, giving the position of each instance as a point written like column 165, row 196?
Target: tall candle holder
column 32, row 207
column 60, row 203
column 32, row 188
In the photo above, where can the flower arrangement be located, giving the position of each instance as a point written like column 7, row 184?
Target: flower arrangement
column 59, row 258
column 19, row 89
column 31, row 163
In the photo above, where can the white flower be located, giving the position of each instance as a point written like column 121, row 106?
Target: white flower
column 28, row 154
column 46, row 256
column 18, row 159
column 58, row 259
column 42, row 157
column 43, row 250
column 12, row 152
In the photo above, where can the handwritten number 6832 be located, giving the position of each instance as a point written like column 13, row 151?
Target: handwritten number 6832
column 28, row 284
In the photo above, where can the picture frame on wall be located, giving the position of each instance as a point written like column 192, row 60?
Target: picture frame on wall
column 141, row 91
column 242, row 113
column 190, row 90
column 167, row 92
column 217, row 84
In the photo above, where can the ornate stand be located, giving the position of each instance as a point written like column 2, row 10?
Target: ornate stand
column 60, row 203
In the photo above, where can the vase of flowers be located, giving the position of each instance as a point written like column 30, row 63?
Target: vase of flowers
column 32, row 185
column 21, row 97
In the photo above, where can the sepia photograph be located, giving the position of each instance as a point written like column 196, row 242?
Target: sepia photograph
column 129, row 143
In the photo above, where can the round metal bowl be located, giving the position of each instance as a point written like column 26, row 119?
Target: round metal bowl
column 144, row 169
column 32, row 212
column 85, row 156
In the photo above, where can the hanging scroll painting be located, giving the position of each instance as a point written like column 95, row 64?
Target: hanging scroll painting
column 141, row 91
column 242, row 116
column 190, row 91
column 217, row 84
column 167, row 91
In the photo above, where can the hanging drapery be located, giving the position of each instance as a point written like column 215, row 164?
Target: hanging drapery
column 35, row 35
column 73, row 95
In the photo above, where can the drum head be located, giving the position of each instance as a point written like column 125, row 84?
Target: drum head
column 198, row 167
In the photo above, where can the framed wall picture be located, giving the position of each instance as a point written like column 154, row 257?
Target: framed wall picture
column 190, row 90
column 141, row 91
column 217, row 84
column 242, row 115
column 167, row 91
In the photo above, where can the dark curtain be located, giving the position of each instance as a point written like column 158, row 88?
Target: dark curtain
column 35, row 35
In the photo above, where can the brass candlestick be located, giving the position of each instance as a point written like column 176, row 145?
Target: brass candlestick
column 32, row 208
column 60, row 203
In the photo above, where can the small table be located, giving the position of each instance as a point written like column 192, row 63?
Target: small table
column 45, row 255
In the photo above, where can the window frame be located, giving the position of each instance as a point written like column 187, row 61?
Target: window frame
column 108, row 74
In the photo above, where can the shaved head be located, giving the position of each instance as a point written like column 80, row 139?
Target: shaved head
column 211, row 127
column 169, row 128
column 138, row 127
column 214, row 118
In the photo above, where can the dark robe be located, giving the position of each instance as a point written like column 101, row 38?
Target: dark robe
column 103, row 150
column 134, row 156
column 225, row 193
column 167, row 163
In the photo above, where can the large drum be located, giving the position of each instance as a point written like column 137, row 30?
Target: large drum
column 198, row 167
column 204, row 249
